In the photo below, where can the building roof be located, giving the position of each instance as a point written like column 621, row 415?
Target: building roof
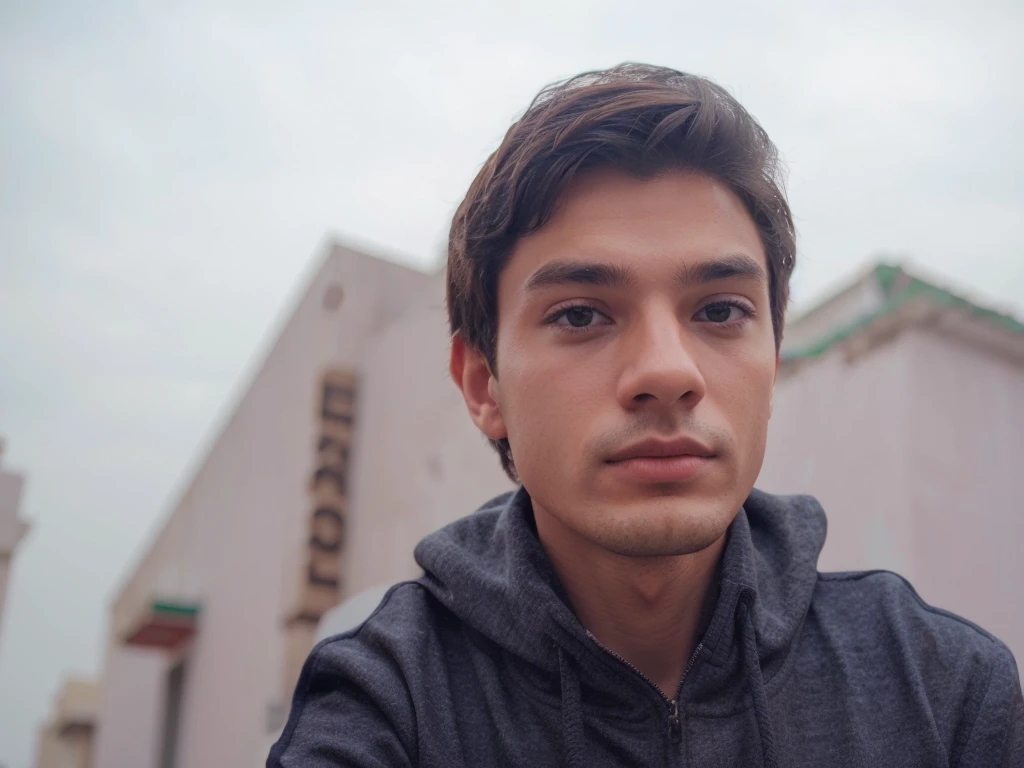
column 891, row 299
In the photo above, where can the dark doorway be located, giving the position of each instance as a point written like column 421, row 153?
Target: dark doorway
column 172, row 715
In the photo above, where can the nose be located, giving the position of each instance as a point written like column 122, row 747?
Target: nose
column 660, row 368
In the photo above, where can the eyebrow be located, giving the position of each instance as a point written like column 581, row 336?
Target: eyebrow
column 722, row 268
column 616, row 276
column 581, row 273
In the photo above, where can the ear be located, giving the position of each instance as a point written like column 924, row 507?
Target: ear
column 472, row 375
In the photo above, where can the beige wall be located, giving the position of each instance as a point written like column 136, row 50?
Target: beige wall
column 914, row 451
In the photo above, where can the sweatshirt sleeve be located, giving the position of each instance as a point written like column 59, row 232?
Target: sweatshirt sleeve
column 996, row 737
column 351, row 708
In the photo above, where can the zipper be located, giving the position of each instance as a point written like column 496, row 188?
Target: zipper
column 675, row 727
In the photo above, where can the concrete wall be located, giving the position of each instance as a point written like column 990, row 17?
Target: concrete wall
column 914, row 452
column 236, row 537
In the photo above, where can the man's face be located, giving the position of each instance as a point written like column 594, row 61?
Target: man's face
column 636, row 361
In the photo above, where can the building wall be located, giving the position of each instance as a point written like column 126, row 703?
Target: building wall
column 237, row 535
column 967, row 412
column 130, row 709
column 914, row 452
column 50, row 752
column 421, row 462
column 839, row 432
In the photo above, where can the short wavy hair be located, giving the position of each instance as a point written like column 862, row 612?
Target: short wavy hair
column 642, row 119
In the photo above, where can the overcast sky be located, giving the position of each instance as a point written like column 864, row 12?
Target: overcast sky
column 168, row 170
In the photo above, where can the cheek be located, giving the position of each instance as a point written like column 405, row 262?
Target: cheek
column 743, row 389
column 548, row 403
column 754, row 410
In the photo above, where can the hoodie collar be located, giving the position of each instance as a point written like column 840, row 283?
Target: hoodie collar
column 770, row 562
column 492, row 572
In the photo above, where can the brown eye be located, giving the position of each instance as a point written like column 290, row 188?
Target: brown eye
column 727, row 314
column 579, row 317
column 718, row 313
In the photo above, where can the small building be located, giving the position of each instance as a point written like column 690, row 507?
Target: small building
column 12, row 528
column 900, row 406
column 66, row 741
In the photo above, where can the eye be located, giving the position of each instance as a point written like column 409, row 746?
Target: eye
column 579, row 317
column 724, row 313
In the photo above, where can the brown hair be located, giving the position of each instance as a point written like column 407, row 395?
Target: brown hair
column 642, row 119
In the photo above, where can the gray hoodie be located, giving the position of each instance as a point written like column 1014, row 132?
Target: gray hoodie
column 481, row 662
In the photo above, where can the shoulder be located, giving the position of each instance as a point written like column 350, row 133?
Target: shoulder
column 360, row 683
column 884, row 603
column 403, row 621
column 905, row 650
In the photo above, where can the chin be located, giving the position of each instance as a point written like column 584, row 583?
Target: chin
column 662, row 527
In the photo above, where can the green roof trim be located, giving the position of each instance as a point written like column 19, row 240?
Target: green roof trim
column 886, row 274
column 898, row 292
column 178, row 609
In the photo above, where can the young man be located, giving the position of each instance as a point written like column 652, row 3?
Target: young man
column 617, row 280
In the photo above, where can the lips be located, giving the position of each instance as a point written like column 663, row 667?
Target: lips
column 653, row 448
column 661, row 461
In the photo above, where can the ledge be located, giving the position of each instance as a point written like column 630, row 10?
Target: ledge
column 164, row 624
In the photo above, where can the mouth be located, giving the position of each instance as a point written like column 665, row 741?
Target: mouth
column 662, row 461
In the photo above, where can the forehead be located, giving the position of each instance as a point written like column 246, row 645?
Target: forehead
column 652, row 227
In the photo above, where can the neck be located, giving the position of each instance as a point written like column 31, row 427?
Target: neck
column 648, row 610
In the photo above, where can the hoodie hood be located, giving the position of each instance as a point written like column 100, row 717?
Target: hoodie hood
column 491, row 571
